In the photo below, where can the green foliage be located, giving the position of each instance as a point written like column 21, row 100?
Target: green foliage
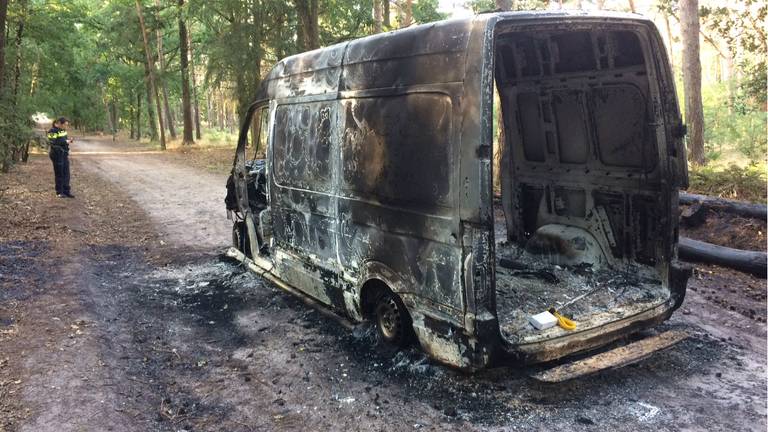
column 753, row 87
column 15, row 132
column 740, row 128
column 234, row 39
column 741, row 26
column 734, row 182
column 425, row 11
column 55, row 77
column 218, row 136
column 342, row 20
column 480, row 6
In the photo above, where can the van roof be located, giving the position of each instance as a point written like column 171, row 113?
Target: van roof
column 432, row 38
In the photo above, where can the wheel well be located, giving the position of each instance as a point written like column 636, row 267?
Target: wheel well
column 369, row 293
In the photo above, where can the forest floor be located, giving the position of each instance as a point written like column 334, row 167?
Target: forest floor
column 118, row 313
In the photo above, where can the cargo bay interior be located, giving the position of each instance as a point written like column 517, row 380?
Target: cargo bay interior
column 579, row 223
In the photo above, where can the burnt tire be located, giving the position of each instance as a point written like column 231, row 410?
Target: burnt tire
column 240, row 238
column 393, row 324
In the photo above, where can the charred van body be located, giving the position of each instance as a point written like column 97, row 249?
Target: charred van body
column 379, row 186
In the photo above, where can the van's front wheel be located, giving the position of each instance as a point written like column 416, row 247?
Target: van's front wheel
column 392, row 321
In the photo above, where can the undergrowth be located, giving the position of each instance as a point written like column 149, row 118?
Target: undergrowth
column 732, row 182
column 740, row 127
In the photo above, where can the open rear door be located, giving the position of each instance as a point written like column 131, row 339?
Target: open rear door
column 587, row 218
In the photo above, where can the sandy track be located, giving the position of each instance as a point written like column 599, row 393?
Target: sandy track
column 185, row 204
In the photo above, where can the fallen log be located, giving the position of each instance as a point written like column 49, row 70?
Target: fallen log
column 752, row 262
column 741, row 208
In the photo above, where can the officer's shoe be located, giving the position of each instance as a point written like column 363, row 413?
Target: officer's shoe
column 68, row 195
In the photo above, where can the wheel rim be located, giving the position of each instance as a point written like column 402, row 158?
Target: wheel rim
column 389, row 318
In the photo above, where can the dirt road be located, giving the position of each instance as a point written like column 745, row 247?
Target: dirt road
column 116, row 313
column 184, row 203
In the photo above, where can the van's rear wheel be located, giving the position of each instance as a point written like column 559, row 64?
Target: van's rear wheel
column 392, row 321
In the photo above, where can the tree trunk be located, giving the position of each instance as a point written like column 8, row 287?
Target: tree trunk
column 115, row 119
column 195, row 100
column 3, row 16
column 407, row 11
column 232, row 119
column 386, row 21
column 19, row 36
column 150, row 111
column 694, row 112
column 213, row 112
column 169, row 118
column 251, row 84
column 17, row 68
column 753, row 262
column 731, row 68
column 198, row 133
column 108, row 110
column 308, row 36
column 377, row 18
column 131, row 113
column 185, row 96
column 151, row 69
column 740, row 208
column 210, row 114
column 138, row 115
column 33, row 77
column 221, row 110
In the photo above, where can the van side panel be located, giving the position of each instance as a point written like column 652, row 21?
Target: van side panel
column 426, row 55
column 303, row 204
column 313, row 73
column 398, row 179
column 395, row 192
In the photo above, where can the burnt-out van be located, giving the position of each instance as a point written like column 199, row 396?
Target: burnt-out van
column 376, row 196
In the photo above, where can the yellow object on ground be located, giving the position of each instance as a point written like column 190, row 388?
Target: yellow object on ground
column 563, row 322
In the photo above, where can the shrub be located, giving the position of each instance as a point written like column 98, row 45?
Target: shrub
column 733, row 182
column 15, row 133
column 741, row 127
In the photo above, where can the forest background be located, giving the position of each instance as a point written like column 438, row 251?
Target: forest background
column 175, row 73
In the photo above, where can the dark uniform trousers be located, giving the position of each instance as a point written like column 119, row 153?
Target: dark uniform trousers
column 60, row 158
column 59, row 154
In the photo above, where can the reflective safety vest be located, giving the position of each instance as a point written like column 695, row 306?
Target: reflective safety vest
column 57, row 137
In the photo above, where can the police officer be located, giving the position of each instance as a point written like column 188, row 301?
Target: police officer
column 59, row 141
